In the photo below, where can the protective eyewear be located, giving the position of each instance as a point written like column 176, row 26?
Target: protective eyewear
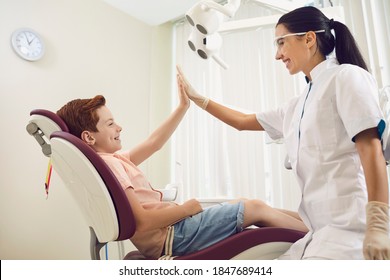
column 278, row 42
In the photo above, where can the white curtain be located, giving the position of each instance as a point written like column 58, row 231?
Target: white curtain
column 213, row 160
column 371, row 33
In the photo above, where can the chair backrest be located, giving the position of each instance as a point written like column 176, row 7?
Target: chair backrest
column 96, row 190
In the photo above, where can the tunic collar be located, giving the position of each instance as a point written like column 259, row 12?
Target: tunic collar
column 326, row 64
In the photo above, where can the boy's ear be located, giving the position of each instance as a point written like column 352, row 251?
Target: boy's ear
column 87, row 137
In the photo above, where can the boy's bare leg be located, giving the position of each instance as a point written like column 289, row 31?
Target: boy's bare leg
column 258, row 213
column 291, row 213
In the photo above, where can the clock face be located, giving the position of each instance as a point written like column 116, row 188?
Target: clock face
column 27, row 44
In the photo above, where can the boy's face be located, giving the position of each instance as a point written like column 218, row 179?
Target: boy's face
column 107, row 139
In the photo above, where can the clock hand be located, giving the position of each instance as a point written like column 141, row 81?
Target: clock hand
column 29, row 42
column 25, row 35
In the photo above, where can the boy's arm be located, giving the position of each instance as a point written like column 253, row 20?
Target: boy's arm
column 154, row 219
column 161, row 135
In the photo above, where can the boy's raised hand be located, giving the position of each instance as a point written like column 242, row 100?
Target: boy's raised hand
column 183, row 97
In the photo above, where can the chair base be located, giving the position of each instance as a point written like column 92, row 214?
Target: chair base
column 95, row 245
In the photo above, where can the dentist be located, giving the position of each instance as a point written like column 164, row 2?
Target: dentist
column 333, row 134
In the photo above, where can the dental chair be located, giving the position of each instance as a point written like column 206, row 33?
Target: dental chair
column 107, row 211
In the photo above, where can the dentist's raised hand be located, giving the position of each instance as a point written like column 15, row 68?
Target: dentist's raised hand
column 198, row 99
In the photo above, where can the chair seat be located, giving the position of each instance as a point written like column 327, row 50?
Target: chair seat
column 258, row 240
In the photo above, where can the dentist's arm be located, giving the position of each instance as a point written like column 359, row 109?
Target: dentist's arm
column 376, row 242
column 236, row 119
column 160, row 136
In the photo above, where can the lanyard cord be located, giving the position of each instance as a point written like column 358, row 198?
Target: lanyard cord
column 48, row 177
column 303, row 111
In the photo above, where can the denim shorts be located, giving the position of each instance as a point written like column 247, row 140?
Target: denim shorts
column 206, row 228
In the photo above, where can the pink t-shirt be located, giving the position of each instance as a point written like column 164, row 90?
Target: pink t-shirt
column 149, row 243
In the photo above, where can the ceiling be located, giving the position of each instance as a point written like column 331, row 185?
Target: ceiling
column 153, row 12
column 156, row 12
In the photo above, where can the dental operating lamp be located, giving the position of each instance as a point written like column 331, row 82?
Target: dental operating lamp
column 205, row 18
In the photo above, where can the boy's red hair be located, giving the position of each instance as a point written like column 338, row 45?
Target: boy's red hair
column 80, row 114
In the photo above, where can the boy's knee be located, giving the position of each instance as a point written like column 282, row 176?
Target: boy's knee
column 256, row 203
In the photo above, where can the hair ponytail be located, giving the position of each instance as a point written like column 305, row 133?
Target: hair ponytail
column 311, row 19
column 347, row 50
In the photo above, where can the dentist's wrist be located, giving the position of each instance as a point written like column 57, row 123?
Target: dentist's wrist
column 201, row 101
column 205, row 103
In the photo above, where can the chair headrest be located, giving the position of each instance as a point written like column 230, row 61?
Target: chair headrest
column 42, row 124
column 53, row 116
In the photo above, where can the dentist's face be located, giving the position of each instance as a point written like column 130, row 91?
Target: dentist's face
column 107, row 139
column 291, row 49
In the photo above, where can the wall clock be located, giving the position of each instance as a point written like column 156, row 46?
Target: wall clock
column 27, row 44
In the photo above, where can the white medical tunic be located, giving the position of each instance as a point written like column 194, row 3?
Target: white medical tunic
column 318, row 128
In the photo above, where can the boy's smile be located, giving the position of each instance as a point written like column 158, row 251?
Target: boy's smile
column 107, row 138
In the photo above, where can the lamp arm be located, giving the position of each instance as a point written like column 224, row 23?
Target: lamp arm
column 229, row 9
column 233, row 6
column 220, row 61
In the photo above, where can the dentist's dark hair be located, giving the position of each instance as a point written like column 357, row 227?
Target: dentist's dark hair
column 311, row 19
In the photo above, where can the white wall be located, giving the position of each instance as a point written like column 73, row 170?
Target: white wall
column 91, row 48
